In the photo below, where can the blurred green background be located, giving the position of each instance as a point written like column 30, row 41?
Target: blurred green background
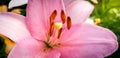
column 107, row 10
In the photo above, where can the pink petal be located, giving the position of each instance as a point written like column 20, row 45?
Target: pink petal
column 38, row 15
column 49, row 54
column 83, row 51
column 31, row 48
column 67, row 2
column 78, row 10
column 87, row 41
column 13, row 26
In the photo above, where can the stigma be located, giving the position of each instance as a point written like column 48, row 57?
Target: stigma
column 58, row 25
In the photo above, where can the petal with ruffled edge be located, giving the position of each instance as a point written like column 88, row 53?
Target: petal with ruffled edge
column 78, row 10
column 13, row 26
column 38, row 17
column 87, row 41
column 31, row 48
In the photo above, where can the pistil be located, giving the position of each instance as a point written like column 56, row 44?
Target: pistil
column 59, row 33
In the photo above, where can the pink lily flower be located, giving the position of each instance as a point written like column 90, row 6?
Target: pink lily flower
column 53, row 29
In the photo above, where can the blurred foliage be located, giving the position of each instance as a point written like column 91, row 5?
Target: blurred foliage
column 2, row 49
column 23, row 11
column 4, row 2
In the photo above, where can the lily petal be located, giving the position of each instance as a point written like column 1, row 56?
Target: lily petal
column 13, row 26
column 38, row 15
column 91, row 40
column 14, row 3
column 78, row 10
column 81, row 51
column 31, row 48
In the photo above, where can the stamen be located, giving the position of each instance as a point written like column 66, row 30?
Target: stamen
column 69, row 23
column 63, row 16
column 51, row 29
column 52, row 17
column 59, row 33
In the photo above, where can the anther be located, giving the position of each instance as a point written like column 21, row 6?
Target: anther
column 52, row 17
column 59, row 33
column 63, row 16
column 69, row 23
column 51, row 29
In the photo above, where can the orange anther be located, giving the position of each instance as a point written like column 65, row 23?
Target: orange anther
column 52, row 17
column 69, row 23
column 63, row 16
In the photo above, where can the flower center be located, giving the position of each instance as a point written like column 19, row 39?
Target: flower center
column 57, row 27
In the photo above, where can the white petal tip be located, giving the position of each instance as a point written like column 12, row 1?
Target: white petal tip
column 14, row 3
